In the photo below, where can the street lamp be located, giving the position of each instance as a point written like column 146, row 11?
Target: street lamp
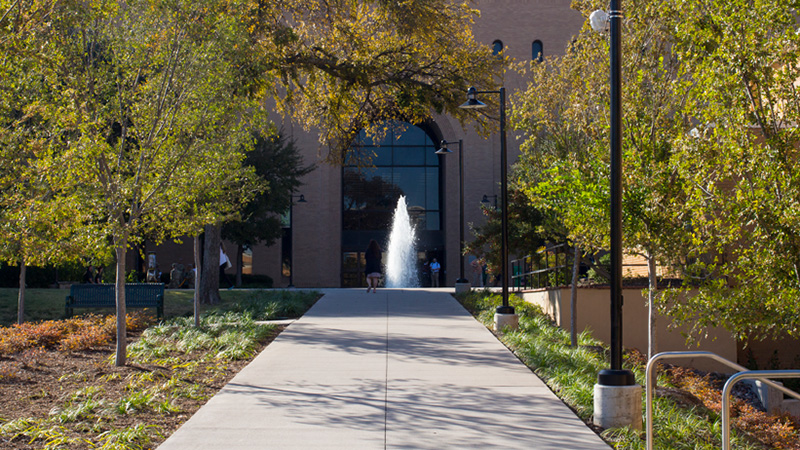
column 485, row 200
column 612, row 22
column 300, row 199
column 473, row 103
column 617, row 397
column 443, row 150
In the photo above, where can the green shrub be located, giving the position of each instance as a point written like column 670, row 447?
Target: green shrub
column 133, row 438
column 257, row 281
column 271, row 305
column 40, row 277
column 227, row 336
column 603, row 261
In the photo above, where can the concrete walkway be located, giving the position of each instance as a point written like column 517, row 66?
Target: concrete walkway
column 397, row 369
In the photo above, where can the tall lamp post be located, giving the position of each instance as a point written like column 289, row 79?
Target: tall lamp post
column 617, row 398
column 443, row 150
column 504, row 313
column 300, row 199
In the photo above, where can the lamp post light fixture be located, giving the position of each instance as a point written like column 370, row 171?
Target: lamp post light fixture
column 599, row 20
column 485, row 200
column 443, row 150
column 300, row 199
column 617, row 398
column 473, row 103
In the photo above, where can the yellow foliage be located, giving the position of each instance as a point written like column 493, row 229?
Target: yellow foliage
column 77, row 333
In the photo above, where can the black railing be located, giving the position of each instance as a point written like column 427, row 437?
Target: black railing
column 549, row 267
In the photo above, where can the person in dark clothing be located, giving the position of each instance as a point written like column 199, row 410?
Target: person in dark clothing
column 373, row 267
column 224, row 263
column 88, row 276
column 98, row 276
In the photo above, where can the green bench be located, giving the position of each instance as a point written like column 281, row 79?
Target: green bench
column 137, row 295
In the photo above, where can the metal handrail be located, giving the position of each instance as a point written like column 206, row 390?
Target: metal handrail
column 650, row 381
column 726, row 393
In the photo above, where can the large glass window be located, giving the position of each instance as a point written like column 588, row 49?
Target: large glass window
column 378, row 172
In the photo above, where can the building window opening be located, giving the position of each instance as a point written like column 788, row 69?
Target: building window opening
column 497, row 47
column 537, row 51
column 247, row 261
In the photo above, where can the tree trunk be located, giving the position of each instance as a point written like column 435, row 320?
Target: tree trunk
column 239, row 263
column 197, row 276
column 652, row 341
column 119, row 288
column 209, row 285
column 21, row 299
column 573, row 301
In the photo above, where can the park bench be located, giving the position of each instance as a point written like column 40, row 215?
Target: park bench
column 137, row 295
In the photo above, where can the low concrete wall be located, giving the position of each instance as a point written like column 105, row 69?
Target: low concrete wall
column 594, row 312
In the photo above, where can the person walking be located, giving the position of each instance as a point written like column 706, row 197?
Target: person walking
column 224, row 263
column 435, row 268
column 98, row 275
column 373, row 268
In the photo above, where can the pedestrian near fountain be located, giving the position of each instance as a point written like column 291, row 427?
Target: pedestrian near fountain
column 426, row 274
column 435, row 268
column 373, row 266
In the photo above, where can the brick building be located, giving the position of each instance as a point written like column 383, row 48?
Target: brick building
column 328, row 237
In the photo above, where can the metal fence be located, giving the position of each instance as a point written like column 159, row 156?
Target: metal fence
column 549, row 267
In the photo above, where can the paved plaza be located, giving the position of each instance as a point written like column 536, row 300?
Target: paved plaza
column 399, row 369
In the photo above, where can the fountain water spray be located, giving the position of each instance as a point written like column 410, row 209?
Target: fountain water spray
column 401, row 264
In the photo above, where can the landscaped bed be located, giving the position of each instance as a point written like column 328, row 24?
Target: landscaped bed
column 688, row 404
column 60, row 388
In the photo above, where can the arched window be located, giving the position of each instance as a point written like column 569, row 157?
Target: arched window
column 497, row 47
column 537, row 51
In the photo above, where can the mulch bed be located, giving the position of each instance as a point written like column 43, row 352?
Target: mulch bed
column 38, row 382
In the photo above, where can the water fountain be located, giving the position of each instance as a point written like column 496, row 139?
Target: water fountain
column 401, row 256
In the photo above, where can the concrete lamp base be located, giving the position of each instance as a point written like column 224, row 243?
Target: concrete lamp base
column 503, row 321
column 462, row 285
column 618, row 406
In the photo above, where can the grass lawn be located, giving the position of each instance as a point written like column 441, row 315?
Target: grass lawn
column 47, row 304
